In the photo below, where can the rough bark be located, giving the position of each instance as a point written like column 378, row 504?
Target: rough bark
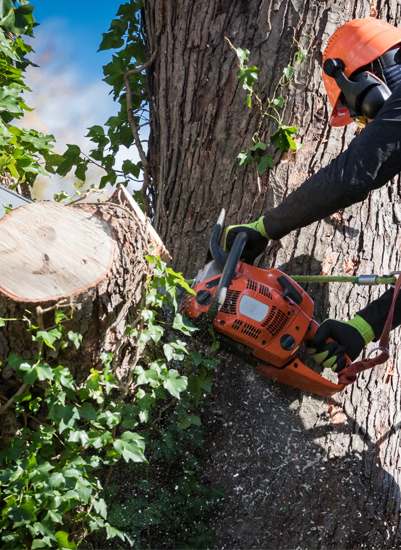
column 298, row 470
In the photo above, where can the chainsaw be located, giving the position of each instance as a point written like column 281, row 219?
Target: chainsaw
column 261, row 316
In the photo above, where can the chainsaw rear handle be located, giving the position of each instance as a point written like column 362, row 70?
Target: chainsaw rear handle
column 233, row 257
column 311, row 335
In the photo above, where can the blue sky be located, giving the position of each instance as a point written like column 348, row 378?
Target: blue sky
column 68, row 93
column 80, row 24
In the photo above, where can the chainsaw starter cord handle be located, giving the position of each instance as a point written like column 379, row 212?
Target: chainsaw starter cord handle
column 228, row 273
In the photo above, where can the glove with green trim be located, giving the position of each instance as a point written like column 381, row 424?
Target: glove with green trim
column 257, row 239
column 349, row 337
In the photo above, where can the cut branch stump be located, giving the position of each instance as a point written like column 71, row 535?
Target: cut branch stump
column 86, row 260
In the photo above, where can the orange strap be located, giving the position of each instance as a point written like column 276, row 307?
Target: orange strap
column 350, row 374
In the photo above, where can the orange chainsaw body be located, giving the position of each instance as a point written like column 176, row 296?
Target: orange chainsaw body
column 272, row 327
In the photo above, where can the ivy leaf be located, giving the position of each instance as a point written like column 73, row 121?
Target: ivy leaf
column 183, row 324
column 188, row 420
column 113, row 532
column 76, row 338
column 63, row 542
column 56, row 480
column 175, row 383
column 301, row 54
column 258, row 145
column 48, row 337
column 87, row 411
column 243, row 55
column 282, row 138
column 78, row 436
column 24, row 512
column 247, row 77
column 84, row 489
column 265, row 162
column 279, row 102
column 100, row 507
column 31, row 373
column 289, row 72
column 244, row 159
column 131, row 447
column 45, row 372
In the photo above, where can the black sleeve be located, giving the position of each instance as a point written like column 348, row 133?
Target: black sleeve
column 376, row 312
column 372, row 159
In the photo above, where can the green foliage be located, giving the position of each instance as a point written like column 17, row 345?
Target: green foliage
column 283, row 137
column 51, row 493
column 21, row 151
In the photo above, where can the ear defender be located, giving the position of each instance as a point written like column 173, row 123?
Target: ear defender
column 365, row 94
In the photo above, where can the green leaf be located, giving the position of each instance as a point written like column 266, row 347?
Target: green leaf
column 244, row 159
column 301, row 54
column 279, row 102
column 265, row 162
column 44, row 372
column 288, row 72
column 183, row 324
column 84, row 489
column 87, row 411
column 243, row 55
column 100, row 507
column 258, row 145
column 31, row 373
column 188, row 420
column 2, row 322
column 63, row 542
column 282, row 138
column 59, row 316
column 113, row 532
column 78, row 436
column 48, row 337
column 131, row 447
column 76, row 338
column 174, row 383
column 24, row 512
column 56, row 480
column 249, row 100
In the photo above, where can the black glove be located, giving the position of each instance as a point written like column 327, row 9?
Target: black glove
column 257, row 239
column 349, row 337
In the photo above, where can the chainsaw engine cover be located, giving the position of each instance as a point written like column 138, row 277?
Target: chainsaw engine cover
column 256, row 314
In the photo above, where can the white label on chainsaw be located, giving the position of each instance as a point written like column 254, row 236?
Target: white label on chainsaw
column 253, row 309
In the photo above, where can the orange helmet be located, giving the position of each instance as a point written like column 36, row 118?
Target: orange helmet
column 356, row 43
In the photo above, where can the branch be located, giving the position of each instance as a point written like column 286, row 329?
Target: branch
column 10, row 402
column 131, row 118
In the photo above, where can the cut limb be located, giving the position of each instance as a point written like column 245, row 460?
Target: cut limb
column 87, row 260
column 49, row 252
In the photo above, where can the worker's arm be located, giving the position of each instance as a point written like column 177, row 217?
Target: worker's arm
column 372, row 159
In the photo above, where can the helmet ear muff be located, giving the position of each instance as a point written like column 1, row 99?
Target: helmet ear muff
column 369, row 102
column 364, row 92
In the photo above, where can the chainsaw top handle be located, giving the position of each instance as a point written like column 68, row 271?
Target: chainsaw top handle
column 220, row 256
column 233, row 257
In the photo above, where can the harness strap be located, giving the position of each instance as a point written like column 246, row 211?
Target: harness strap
column 350, row 374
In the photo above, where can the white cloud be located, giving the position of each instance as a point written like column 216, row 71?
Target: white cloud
column 67, row 100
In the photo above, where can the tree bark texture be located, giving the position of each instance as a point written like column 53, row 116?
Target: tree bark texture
column 299, row 470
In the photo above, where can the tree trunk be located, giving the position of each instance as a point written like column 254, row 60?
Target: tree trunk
column 298, row 470
column 86, row 261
